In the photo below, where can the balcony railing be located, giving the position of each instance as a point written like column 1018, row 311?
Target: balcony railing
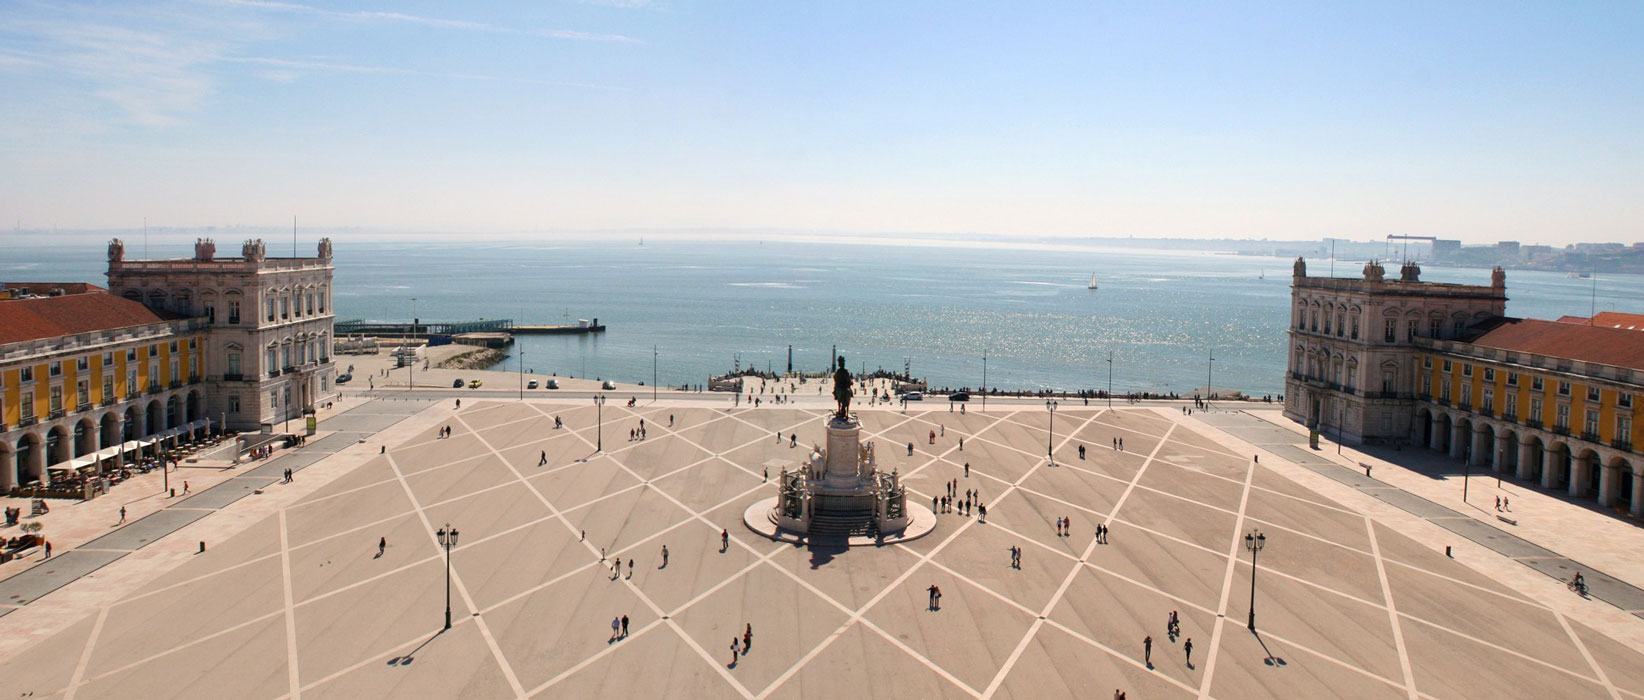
column 56, row 413
column 233, row 377
column 1487, row 412
column 1622, row 443
column 154, row 389
column 290, row 370
column 273, row 373
column 1442, row 402
column 1562, row 430
column 176, row 384
column 1589, row 436
column 82, row 408
column 27, row 420
column 1533, row 423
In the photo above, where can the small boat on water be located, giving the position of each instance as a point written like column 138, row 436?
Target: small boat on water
column 1092, row 281
column 1578, row 275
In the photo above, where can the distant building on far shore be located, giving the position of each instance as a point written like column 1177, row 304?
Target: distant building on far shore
column 1403, row 361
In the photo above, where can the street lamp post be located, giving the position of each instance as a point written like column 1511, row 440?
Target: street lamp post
column 653, row 374
column 599, row 413
column 984, row 381
column 1254, row 543
column 1050, row 441
column 1110, row 379
column 411, row 363
column 448, row 539
column 1208, row 373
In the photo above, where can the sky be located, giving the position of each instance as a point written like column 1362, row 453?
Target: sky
column 1293, row 120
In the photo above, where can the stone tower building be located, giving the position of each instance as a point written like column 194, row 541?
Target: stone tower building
column 268, row 324
column 1353, row 348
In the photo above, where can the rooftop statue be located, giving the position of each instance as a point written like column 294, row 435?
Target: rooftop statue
column 116, row 250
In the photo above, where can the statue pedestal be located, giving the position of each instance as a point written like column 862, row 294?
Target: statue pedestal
column 843, row 468
column 840, row 497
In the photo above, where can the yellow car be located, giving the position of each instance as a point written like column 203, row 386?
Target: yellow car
column 475, row 384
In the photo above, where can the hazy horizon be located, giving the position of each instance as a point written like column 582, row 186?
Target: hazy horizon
column 1480, row 122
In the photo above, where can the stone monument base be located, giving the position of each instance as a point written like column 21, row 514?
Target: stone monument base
column 761, row 518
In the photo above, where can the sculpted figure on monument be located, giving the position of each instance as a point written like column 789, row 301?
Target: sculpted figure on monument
column 325, row 249
column 842, row 389
column 116, row 250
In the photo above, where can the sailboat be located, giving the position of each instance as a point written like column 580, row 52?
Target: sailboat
column 1092, row 281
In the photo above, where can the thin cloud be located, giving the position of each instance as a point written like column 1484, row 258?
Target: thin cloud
column 439, row 22
column 287, row 70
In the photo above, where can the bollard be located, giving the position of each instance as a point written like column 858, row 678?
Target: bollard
column 202, row 546
column 1447, row 552
column 174, row 493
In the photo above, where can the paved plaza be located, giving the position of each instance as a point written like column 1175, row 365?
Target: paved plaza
column 301, row 602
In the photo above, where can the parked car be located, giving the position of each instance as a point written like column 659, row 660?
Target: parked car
column 344, row 378
column 457, row 384
column 531, row 384
column 959, row 396
column 608, row 385
column 553, row 384
column 475, row 384
column 913, row 396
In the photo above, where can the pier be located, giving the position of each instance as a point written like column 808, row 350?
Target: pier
column 420, row 329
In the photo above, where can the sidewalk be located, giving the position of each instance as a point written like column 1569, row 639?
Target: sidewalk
column 1543, row 531
column 88, row 535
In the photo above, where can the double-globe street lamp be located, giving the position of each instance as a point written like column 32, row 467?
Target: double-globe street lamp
column 599, row 412
column 1254, row 543
column 448, row 539
column 1050, row 441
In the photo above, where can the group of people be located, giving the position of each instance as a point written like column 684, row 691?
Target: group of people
column 636, row 433
column 972, row 500
column 444, row 432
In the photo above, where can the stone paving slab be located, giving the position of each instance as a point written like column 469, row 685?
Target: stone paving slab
column 1416, row 505
column 143, row 532
column 1599, row 584
column 226, row 492
column 335, row 441
column 1505, row 544
column 53, row 574
column 533, row 591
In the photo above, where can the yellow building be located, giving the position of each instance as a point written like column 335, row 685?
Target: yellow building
column 1553, row 402
column 87, row 378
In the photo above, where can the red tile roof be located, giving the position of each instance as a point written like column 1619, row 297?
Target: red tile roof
column 1605, row 345
column 44, row 288
column 48, row 317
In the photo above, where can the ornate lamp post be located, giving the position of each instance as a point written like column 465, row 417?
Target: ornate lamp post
column 1254, row 543
column 599, row 412
column 448, row 539
column 1050, row 442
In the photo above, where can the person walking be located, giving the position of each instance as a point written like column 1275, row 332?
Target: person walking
column 735, row 649
column 616, row 625
column 967, row 464
column 48, row 550
column 724, row 541
column 1187, row 647
column 931, row 594
column 747, row 639
column 542, row 460
column 624, row 626
column 122, row 514
column 664, row 556
column 1147, row 651
column 382, row 545
column 630, row 568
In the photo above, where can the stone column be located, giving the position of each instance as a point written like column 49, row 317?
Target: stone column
column 1481, row 445
column 1458, row 441
column 1607, row 483
column 37, row 463
column 1498, row 460
column 1435, row 437
column 1580, row 475
column 1552, row 463
column 1638, row 493
column 1526, row 458
column 8, row 471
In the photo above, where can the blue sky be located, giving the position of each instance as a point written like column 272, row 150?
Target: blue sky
column 1481, row 121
